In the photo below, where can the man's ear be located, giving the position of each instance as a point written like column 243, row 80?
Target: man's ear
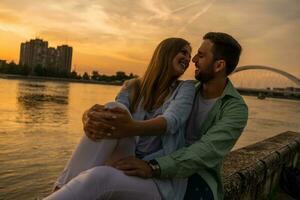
column 220, row 65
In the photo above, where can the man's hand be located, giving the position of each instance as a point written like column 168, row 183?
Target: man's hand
column 133, row 166
column 103, row 123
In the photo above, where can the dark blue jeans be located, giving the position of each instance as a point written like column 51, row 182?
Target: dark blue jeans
column 197, row 189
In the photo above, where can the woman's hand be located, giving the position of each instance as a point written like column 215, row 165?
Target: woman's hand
column 103, row 123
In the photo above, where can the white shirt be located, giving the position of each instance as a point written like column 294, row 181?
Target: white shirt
column 199, row 113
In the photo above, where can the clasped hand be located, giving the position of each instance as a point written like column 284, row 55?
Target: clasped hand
column 103, row 123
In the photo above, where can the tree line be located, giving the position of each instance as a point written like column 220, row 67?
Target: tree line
column 39, row 70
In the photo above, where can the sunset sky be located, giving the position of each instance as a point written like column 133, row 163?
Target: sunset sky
column 112, row 35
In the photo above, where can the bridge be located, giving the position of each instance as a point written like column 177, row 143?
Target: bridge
column 265, row 81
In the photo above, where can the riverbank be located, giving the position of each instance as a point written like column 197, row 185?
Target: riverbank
column 45, row 78
column 259, row 93
column 268, row 93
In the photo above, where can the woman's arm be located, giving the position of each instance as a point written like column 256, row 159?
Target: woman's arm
column 92, row 117
column 116, row 123
column 175, row 115
column 123, row 95
column 180, row 107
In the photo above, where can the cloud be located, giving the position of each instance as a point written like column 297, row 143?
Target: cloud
column 196, row 16
column 8, row 17
column 158, row 8
column 127, row 31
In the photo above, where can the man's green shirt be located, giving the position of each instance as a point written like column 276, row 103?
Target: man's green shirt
column 218, row 134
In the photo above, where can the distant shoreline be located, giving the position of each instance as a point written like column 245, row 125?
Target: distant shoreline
column 56, row 79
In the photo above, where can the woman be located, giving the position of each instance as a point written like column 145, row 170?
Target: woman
column 158, row 95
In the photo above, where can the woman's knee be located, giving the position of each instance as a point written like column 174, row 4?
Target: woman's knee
column 100, row 175
column 115, row 104
column 90, row 183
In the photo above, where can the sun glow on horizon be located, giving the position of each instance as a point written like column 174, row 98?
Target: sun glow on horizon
column 110, row 36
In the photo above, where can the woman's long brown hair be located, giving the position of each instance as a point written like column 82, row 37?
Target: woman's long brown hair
column 153, row 87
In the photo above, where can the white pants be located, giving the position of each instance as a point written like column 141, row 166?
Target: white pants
column 85, row 177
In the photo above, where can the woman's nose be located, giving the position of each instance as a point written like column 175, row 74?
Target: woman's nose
column 194, row 59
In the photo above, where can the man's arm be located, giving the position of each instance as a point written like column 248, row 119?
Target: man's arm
column 205, row 153
column 210, row 149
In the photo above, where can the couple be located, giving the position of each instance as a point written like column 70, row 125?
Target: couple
column 162, row 138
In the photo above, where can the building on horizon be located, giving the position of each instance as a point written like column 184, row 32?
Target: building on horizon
column 36, row 52
column 33, row 53
column 2, row 62
column 64, row 59
column 51, row 61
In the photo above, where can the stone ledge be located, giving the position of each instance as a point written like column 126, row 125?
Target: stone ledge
column 253, row 172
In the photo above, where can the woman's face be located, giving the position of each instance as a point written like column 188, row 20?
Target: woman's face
column 181, row 61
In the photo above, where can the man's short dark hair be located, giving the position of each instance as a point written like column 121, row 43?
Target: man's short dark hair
column 226, row 48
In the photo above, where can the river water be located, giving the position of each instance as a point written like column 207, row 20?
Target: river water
column 40, row 124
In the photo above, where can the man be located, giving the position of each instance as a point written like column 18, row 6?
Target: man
column 217, row 120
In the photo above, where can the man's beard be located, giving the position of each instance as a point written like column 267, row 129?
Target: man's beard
column 207, row 75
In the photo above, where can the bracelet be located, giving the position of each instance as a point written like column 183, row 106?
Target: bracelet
column 153, row 164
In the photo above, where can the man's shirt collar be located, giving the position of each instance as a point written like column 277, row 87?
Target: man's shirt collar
column 228, row 91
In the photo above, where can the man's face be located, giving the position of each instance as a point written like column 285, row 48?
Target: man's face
column 204, row 62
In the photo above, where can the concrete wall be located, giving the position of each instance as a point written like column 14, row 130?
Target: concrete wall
column 253, row 172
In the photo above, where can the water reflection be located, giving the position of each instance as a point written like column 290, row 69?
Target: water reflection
column 40, row 126
column 42, row 102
